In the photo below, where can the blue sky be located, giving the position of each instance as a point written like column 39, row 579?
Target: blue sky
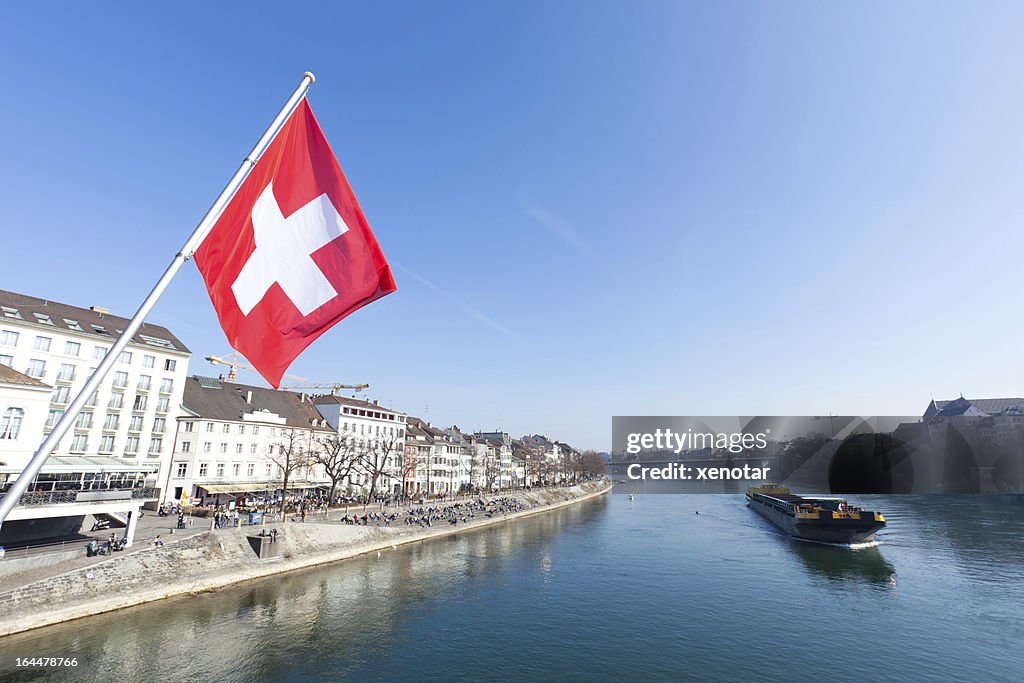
column 590, row 208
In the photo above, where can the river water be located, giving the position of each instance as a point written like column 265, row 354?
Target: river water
column 605, row 590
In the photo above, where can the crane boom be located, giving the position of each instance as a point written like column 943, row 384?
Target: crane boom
column 334, row 387
column 234, row 365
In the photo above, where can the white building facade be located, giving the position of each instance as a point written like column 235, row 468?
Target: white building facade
column 24, row 403
column 230, row 440
column 130, row 419
column 377, row 432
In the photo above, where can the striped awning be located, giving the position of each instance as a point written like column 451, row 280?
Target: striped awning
column 257, row 487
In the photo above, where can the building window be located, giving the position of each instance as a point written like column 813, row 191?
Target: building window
column 120, row 380
column 11, row 313
column 111, row 421
column 61, row 395
column 236, row 469
column 116, row 400
column 163, row 405
column 207, row 446
column 10, row 424
column 140, row 403
column 186, row 446
column 125, row 358
column 223, row 448
column 238, row 448
column 8, row 338
column 270, row 449
column 67, row 372
column 202, row 469
column 84, row 420
column 106, row 444
column 149, row 361
column 255, row 430
column 166, row 386
column 268, row 469
column 252, row 449
column 36, row 368
column 42, row 344
column 144, row 382
column 227, row 428
column 159, row 424
column 220, row 470
column 182, row 470
column 189, row 426
column 156, row 444
column 241, row 429
column 250, row 470
column 53, row 417
column 209, row 426
column 136, row 424
column 79, row 443
column 98, row 352
column 132, row 445
column 170, row 364
column 72, row 349
column 6, row 360
column 93, row 397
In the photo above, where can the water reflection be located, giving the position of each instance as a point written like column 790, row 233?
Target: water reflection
column 845, row 565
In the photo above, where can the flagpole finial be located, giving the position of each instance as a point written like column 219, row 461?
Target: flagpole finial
column 310, row 76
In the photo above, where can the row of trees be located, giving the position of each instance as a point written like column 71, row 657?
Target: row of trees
column 342, row 454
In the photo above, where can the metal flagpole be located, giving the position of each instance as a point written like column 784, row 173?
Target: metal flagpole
column 21, row 484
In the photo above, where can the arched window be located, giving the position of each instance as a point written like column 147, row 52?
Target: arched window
column 10, row 425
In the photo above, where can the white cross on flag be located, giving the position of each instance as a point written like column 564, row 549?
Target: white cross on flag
column 292, row 254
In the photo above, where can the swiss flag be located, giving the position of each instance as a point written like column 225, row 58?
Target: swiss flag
column 292, row 254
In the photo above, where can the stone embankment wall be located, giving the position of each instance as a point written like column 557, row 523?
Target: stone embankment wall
column 221, row 558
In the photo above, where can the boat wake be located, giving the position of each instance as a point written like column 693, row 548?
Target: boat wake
column 850, row 546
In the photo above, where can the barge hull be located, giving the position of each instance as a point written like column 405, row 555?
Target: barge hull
column 843, row 531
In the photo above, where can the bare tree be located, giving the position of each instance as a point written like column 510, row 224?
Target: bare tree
column 338, row 455
column 290, row 455
column 375, row 457
column 492, row 470
column 407, row 466
column 593, row 464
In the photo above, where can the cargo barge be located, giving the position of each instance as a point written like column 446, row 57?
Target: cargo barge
column 825, row 520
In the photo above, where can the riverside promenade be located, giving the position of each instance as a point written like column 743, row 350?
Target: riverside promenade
column 204, row 560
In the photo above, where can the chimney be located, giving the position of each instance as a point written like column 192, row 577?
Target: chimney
column 100, row 309
column 376, row 402
column 248, row 396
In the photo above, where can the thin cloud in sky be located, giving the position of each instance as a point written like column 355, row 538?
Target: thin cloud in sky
column 568, row 234
column 467, row 309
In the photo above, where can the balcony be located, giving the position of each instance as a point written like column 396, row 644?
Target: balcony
column 84, row 496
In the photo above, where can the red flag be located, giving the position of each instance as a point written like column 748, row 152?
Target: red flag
column 292, row 254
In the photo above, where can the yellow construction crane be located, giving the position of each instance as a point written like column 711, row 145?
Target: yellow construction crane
column 232, row 364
